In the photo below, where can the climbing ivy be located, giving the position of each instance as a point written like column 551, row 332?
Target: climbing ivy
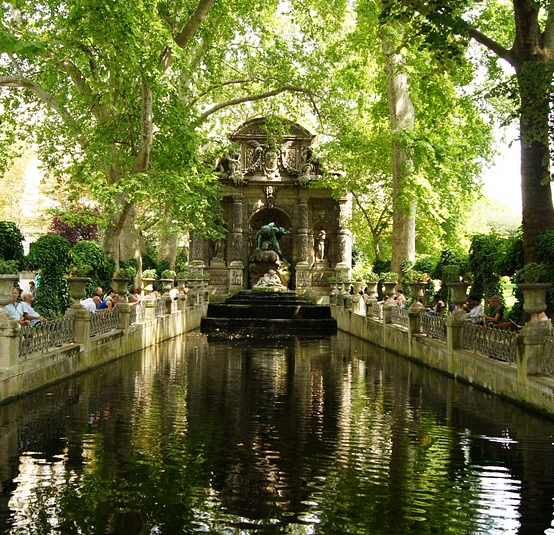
column 51, row 255
column 486, row 254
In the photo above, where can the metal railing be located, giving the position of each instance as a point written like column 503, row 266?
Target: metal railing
column 44, row 336
column 433, row 326
column 104, row 321
column 496, row 343
column 399, row 316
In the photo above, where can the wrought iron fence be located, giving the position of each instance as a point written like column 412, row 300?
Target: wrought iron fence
column 45, row 336
column 433, row 326
column 104, row 321
column 399, row 317
column 548, row 355
column 496, row 343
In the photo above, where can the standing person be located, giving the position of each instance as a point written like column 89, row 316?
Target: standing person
column 400, row 298
column 33, row 288
column 29, row 313
column 14, row 309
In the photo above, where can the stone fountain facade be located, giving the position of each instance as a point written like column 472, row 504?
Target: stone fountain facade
column 266, row 182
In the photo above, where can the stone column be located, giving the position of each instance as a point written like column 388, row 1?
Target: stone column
column 9, row 341
column 197, row 250
column 303, row 244
column 344, row 238
column 81, row 326
column 149, row 309
column 124, row 316
column 236, row 229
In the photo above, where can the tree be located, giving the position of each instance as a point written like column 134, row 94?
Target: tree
column 115, row 95
column 523, row 36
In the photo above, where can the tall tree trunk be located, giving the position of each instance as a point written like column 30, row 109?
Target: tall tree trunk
column 538, row 213
column 401, row 113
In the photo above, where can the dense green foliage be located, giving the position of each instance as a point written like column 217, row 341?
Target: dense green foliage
column 90, row 253
column 11, row 247
column 51, row 255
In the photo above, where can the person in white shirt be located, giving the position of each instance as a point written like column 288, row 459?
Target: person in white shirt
column 476, row 312
column 14, row 308
column 29, row 313
column 91, row 303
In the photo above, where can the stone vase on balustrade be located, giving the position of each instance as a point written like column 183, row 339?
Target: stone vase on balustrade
column 534, row 298
column 77, row 286
column 417, row 291
column 458, row 294
column 6, row 284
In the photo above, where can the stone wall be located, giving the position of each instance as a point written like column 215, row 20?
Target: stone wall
column 19, row 376
column 511, row 381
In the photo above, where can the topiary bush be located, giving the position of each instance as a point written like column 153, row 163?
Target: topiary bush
column 11, row 247
column 50, row 254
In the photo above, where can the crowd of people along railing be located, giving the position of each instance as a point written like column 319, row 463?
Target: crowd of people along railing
column 499, row 344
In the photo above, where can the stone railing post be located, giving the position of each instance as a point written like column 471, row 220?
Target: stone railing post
column 9, row 341
column 414, row 321
column 81, row 323
column 182, row 302
column 530, row 349
column 166, row 300
column 387, row 310
column 149, row 309
column 454, row 330
column 236, row 276
column 124, row 316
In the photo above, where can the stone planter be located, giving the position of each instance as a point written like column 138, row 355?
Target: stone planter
column 458, row 293
column 358, row 285
column 389, row 289
column 534, row 297
column 120, row 285
column 148, row 285
column 78, row 286
column 6, row 285
column 167, row 284
column 417, row 290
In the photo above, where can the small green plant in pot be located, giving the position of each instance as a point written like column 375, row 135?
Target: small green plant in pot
column 532, row 273
column 168, row 274
column 149, row 274
column 125, row 273
column 8, row 267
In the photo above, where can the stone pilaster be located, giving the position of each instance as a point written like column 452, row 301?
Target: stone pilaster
column 344, row 238
column 236, row 229
column 81, row 318
column 124, row 316
column 303, row 244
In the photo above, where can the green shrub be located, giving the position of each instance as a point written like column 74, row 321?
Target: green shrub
column 11, row 247
column 51, row 255
column 90, row 253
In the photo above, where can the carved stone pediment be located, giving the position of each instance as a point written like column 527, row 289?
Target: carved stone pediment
column 286, row 159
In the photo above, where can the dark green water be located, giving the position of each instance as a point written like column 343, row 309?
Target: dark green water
column 327, row 436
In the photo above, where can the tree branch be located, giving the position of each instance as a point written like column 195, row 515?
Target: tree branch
column 252, row 98
column 44, row 96
column 491, row 44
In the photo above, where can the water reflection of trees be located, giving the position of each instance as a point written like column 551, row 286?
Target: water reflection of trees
column 333, row 439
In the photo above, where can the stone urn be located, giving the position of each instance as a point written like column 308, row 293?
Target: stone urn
column 458, row 293
column 417, row 290
column 78, row 286
column 389, row 289
column 167, row 284
column 358, row 285
column 120, row 284
column 6, row 284
column 148, row 285
column 534, row 297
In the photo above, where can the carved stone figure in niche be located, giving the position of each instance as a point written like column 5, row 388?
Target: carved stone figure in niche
column 308, row 170
column 320, row 246
column 268, row 238
column 235, row 171
column 219, row 249
column 254, row 154
column 270, row 195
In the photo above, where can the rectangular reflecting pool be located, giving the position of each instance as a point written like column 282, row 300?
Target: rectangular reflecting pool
column 325, row 435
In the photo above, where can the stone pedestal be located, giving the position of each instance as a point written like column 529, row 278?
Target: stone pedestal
column 302, row 281
column 81, row 318
column 236, row 276
column 124, row 315
column 9, row 341
column 149, row 309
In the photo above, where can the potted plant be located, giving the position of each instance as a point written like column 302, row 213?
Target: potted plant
column 167, row 278
column 8, row 278
column 417, row 282
column 77, row 279
column 389, row 280
column 121, row 279
column 149, row 275
column 532, row 281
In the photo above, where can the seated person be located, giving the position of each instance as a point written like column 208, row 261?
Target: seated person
column 497, row 311
column 29, row 313
column 439, row 308
column 400, row 298
column 476, row 311
column 14, row 309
